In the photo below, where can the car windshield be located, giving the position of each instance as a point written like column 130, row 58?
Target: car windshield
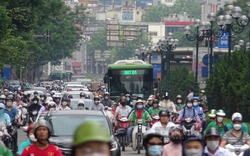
column 87, row 103
column 66, row 125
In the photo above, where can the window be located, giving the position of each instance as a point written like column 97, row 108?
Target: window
column 153, row 33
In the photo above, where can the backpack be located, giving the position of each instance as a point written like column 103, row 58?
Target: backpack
column 185, row 111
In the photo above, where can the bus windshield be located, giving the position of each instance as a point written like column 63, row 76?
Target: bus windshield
column 134, row 82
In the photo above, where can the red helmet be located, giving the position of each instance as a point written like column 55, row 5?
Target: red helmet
column 31, row 126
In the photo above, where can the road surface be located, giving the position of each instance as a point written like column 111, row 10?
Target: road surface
column 129, row 152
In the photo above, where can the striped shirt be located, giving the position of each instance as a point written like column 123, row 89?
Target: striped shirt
column 230, row 138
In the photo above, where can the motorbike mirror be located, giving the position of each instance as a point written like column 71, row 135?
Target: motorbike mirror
column 25, row 128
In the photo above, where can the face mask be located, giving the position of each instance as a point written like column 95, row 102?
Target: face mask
column 123, row 103
column 96, row 154
column 155, row 150
column 195, row 103
column 213, row 145
column 155, row 105
column 189, row 104
column 237, row 126
column 81, row 107
column 2, row 111
column 32, row 138
column 139, row 106
column 220, row 119
column 96, row 102
column 106, row 97
column 166, row 98
column 9, row 104
column 179, row 101
column 35, row 102
column 128, row 99
column 64, row 103
column 42, row 98
column 176, row 139
column 193, row 152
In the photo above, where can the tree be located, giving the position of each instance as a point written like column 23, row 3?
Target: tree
column 181, row 81
column 192, row 7
column 228, row 86
column 156, row 13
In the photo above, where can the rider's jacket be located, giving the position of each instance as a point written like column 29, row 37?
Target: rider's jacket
column 244, row 127
column 157, row 127
column 199, row 110
column 5, row 118
column 139, row 114
column 152, row 111
column 12, row 113
column 50, row 150
column 107, row 102
column 23, row 146
column 230, row 138
column 4, row 150
column 219, row 152
column 123, row 111
column 179, row 107
column 188, row 112
column 167, row 104
column 34, row 107
column 221, row 129
column 97, row 107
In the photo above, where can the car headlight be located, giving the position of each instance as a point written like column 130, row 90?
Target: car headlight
column 114, row 145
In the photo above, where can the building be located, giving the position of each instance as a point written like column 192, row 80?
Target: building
column 169, row 3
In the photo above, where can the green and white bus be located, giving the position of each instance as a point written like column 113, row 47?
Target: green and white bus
column 134, row 77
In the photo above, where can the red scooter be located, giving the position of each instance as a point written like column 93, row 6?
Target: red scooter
column 121, row 132
column 155, row 118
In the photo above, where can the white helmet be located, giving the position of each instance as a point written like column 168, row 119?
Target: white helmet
column 52, row 104
column 237, row 117
column 2, row 96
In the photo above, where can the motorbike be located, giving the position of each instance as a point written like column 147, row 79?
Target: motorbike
column 155, row 118
column 121, row 132
column 137, row 136
column 22, row 112
column 109, row 114
column 237, row 150
column 175, row 116
column 33, row 115
column 11, row 141
column 190, row 127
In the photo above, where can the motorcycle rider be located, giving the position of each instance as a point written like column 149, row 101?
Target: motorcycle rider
column 42, row 98
column 244, row 127
column 82, row 95
column 10, row 109
column 164, row 124
column 188, row 111
column 155, row 109
column 138, row 113
column 35, row 94
column 51, row 106
column 129, row 100
column 153, row 143
column 56, row 99
column 175, row 145
column 91, row 139
column 42, row 132
column 179, row 103
column 167, row 104
column 106, row 101
column 121, row 110
column 97, row 105
column 236, row 136
column 197, row 107
column 64, row 104
column 80, row 105
column 193, row 146
column 35, row 106
column 218, row 123
column 211, row 116
column 212, row 138
column 32, row 139
column 149, row 103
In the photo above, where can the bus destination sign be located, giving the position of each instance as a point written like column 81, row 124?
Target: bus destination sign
column 130, row 72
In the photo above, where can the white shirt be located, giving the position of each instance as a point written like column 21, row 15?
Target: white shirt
column 219, row 152
column 190, row 95
column 121, row 111
column 66, row 108
column 167, row 104
column 163, row 131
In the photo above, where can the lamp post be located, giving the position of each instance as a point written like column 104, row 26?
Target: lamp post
column 196, row 38
column 165, row 47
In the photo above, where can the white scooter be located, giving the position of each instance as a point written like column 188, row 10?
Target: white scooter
column 109, row 114
column 237, row 150
column 137, row 136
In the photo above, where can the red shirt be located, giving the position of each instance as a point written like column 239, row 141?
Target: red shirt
column 51, row 150
column 139, row 113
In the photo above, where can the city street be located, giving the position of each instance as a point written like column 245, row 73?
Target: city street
column 129, row 152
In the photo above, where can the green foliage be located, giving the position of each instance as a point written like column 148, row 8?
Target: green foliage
column 156, row 13
column 181, row 81
column 229, row 86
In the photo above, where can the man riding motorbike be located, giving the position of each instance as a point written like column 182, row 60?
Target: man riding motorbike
column 51, row 106
column 167, row 104
column 34, row 109
column 155, row 109
column 97, row 105
column 80, row 105
column 64, row 104
column 122, row 110
column 32, row 139
column 129, row 101
column 153, row 143
column 244, row 127
column 179, row 103
column 164, row 124
column 138, row 113
column 56, row 99
column 82, row 95
column 197, row 107
column 211, row 117
column 106, row 101
column 42, row 132
column 218, row 123
column 149, row 103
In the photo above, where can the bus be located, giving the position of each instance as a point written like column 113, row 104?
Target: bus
column 64, row 75
column 134, row 77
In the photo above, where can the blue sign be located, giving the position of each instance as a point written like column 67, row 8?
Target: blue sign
column 205, row 60
column 156, row 69
column 204, row 71
column 154, row 57
column 223, row 40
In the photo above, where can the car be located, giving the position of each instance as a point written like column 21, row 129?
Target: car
column 31, row 92
column 43, row 89
column 72, row 87
column 76, row 94
column 87, row 103
column 64, row 124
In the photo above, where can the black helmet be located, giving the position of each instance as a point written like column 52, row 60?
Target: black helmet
column 212, row 132
column 9, row 97
column 35, row 99
column 150, row 134
column 164, row 112
column 96, row 98
column 35, row 92
column 123, row 98
column 156, row 101
column 64, row 99
column 43, row 95
column 82, row 94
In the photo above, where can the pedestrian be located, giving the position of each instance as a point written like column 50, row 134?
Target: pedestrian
column 91, row 139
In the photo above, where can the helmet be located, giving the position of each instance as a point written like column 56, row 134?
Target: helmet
column 91, row 131
column 64, row 99
column 164, row 112
column 42, row 123
column 220, row 113
column 212, row 132
column 195, row 98
column 150, row 99
column 31, row 126
column 127, row 95
column 212, row 113
column 236, row 117
column 178, row 97
column 138, row 101
column 203, row 91
column 150, row 134
column 96, row 98
column 9, row 98
column 175, row 127
column 80, row 101
column 156, row 101
column 123, row 98
column 35, row 99
column 2, row 96
column 35, row 92
column 51, row 104
column 106, row 93
column 82, row 94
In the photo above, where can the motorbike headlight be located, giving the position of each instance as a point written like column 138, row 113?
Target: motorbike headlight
column 34, row 112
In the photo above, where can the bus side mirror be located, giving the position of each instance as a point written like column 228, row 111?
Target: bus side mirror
column 105, row 78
